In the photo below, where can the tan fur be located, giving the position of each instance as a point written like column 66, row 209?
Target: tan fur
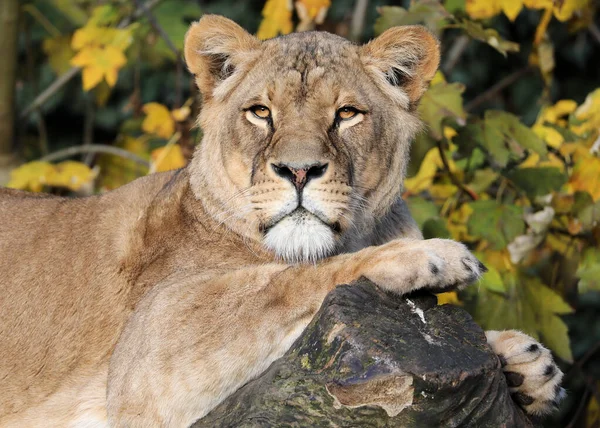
column 148, row 305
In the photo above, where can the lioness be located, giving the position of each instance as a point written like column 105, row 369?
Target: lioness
column 148, row 305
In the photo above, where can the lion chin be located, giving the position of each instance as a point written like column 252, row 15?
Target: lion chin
column 300, row 237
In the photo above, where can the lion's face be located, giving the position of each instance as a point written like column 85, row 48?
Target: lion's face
column 305, row 136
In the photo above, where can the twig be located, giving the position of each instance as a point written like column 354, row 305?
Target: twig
column 580, row 408
column 74, row 71
column 43, row 133
column 95, row 148
column 491, row 92
column 594, row 31
column 580, row 362
column 176, row 136
column 455, row 52
column 178, row 61
column 453, row 178
column 154, row 23
column 358, row 19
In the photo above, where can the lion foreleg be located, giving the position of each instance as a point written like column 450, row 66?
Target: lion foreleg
column 192, row 341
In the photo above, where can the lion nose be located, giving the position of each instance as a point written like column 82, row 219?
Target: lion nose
column 300, row 176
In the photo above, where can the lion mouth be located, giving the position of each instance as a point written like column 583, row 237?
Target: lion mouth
column 299, row 216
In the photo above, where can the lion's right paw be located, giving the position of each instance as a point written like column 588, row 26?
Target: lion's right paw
column 531, row 374
column 439, row 265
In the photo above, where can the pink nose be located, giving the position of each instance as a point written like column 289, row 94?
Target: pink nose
column 300, row 176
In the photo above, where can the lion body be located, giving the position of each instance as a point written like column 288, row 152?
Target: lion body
column 149, row 305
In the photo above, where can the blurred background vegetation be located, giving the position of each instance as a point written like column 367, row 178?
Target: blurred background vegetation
column 94, row 93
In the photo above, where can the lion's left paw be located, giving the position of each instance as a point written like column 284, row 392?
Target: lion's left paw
column 532, row 376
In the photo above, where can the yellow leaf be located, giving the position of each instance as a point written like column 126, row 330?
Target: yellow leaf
column 586, row 177
column 277, row 19
column 102, row 36
column 482, row 9
column 457, row 223
column 534, row 161
column 564, row 10
column 158, row 120
column 314, row 7
column 99, row 63
column 553, row 114
column 450, row 298
column 449, row 133
column 592, row 419
column 72, row 175
column 427, row 172
column 168, row 158
column 181, row 114
column 511, row 8
column 442, row 191
column 438, row 77
column 589, row 113
column 31, row 176
column 59, row 53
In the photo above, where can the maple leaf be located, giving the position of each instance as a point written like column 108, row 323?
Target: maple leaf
column 167, row 158
column 310, row 11
column 158, row 120
column 59, row 53
column 31, row 176
column 100, row 53
column 98, row 64
column 277, row 19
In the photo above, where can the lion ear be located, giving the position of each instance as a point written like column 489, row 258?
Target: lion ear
column 403, row 61
column 214, row 48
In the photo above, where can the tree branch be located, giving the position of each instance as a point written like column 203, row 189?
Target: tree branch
column 455, row 52
column 501, row 85
column 454, row 178
column 594, row 31
column 95, row 148
column 9, row 14
column 358, row 19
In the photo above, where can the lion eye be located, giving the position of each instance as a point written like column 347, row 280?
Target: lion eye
column 346, row 113
column 261, row 112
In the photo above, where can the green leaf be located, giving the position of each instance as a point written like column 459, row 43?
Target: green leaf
column 491, row 280
column 427, row 12
column 588, row 271
column 498, row 223
column 537, row 181
column 487, row 35
column 469, row 138
column 435, row 228
column 422, row 210
column 589, row 216
column 173, row 17
column 482, row 179
column 505, row 137
column 546, row 304
column 527, row 305
column 568, row 135
column 440, row 102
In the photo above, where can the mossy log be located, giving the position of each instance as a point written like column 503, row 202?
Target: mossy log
column 371, row 359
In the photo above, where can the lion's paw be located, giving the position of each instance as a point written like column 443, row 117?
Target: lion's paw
column 531, row 374
column 435, row 264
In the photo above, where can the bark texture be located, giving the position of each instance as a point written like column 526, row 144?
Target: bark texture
column 371, row 359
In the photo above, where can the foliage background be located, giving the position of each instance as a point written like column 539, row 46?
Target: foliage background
column 509, row 161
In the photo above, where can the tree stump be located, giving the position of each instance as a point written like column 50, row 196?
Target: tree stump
column 372, row 359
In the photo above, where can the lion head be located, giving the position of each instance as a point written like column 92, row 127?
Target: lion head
column 306, row 136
